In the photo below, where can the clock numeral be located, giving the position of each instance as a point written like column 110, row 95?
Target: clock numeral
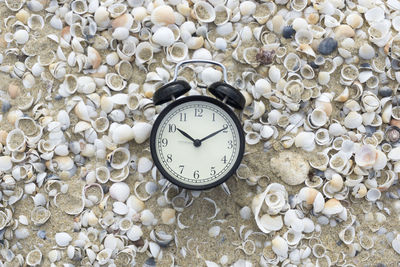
column 230, row 144
column 164, row 142
column 181, row 167
column 182, row 116
column 213, row 118
column 171, row 128
column 224, row 159
column 196, row 174
column 226, row 128
column 198, row 112
column 213, row 172
column 169, row 158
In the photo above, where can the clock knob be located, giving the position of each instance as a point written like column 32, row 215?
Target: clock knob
column 169, row 91
column 222, row 90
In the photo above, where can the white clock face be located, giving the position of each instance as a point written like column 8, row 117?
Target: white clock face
column 197, row 143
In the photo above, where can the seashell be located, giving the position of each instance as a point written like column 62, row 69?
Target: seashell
column 223, row 15
column 352, row 120
column 280, row 246
column 115, row 82
column 292, row 62
column 338, row 162
column 332, row 207
column 354, row 20
column 21, row 36
column 294, row 89
column 365, row 156
column 366, row 51
column 40, row 215
column 303, row 37
column 307, row 72
column 122, row 134
column 119, row 158
column 347, row 235
column 119, row 191
column 4, row 219
column 168, row 217
column 34, row 257
column 318, row 118
column 161, row 15
column 164, row 36
column 327, row 46
column 204, row 12
column 373, row 194
column 135, row 233
column 14, row 5
column 274, row 74
column 305, row 140
column 101, row 124
column 323, row 77
column 144, row 53
column 102, row 174
column 252, row 138
column 15, row 140
column 141, row 131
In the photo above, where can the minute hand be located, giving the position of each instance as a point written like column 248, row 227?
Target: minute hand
column 211, row 135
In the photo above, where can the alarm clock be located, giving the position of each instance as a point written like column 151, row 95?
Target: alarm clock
column 197, row 141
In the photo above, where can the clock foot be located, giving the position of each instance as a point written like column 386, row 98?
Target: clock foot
column 226, row 189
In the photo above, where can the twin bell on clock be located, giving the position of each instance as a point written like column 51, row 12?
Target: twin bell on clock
column 197, row 141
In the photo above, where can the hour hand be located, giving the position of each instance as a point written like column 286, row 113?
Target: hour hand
column 185, row 134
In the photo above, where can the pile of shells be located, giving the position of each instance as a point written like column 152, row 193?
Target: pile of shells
column 320, row 79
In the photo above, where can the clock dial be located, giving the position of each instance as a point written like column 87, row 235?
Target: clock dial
column 197, row 144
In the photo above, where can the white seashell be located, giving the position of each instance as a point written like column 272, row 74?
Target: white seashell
column 178, row 51
column 353, row 120
column 374, row 14
column 5, row 163
column 102, row 174
column 292, row 62
column 119, row 191
column 204, row 12
column 161, row 15
column 14, row 5
column 271, row 223
column 280, row 246
column 266, row 131
column 135, row 233
column 332, row 207
column 292, row 237
column 16, row 140
column 163, row 36
column 147, row 217
column 323, row 77
column 120, row 208
column 252, row 138
column 307, row 72
column 122, row 134
column 347, row 235
column 119, row 158
column 120, row 33
column 115, row 82
column 396, row 244
column 63, row 239
column 141, row 131
column 261, row 87
column 373, row 194
column 210, row 75
column 366, row 51
column 102, row 17
column 144, row 165
column 144, row 53
column 21, row 36
column 365, row 156
column 318, row 117
column 274, row 74
column 305, row 140
column 303, row 37
column 40, row 215
column 313, row 197
column 34, row 257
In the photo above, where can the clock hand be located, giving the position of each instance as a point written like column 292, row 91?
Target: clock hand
column 214, row 133
column 185, row 134
column 196, row 142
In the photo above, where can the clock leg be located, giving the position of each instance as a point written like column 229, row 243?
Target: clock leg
column 226, row 189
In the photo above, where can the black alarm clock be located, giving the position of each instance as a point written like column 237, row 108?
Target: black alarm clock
column 197, row 142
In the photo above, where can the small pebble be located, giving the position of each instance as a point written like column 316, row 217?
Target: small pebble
column 327, row 46
column 288, row 32
column 5, row 106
